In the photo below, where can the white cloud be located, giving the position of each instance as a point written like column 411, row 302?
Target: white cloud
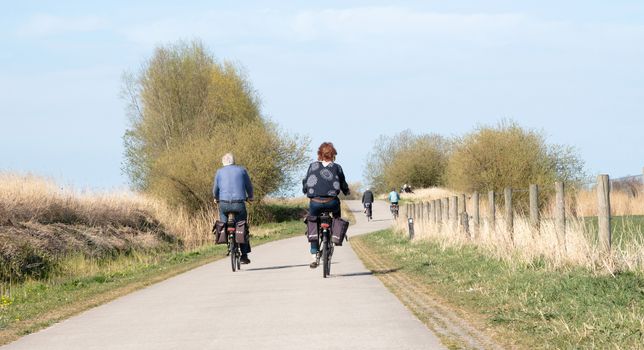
column 41, row 25
column 220, row 26
column 357, row 23
column 352, row 24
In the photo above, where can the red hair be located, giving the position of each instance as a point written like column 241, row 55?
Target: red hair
column 327, row 152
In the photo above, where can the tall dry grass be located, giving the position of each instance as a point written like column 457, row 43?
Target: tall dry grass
column 423, row 194
column 543, row 245
column 42, row 225
column 32, row 199
column 622, row 203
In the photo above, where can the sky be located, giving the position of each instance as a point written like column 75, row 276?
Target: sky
column 340, row 71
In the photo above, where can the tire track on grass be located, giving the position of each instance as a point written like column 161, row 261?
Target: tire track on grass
column 449, row 326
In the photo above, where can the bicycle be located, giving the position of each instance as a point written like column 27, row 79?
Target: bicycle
column 368, row 211
column 325, row 243
column 234, row 249
column 394, row 210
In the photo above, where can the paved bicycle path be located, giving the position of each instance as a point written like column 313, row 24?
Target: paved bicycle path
column 277, row 302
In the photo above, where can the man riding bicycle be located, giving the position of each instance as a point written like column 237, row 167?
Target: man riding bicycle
column 367, row 199
column 323, row 182
column 232, row 186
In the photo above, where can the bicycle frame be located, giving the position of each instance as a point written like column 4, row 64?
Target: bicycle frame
column 394, row 209
column 368, row 210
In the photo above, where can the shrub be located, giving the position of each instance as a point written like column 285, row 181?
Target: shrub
column 492, row 158
column 418, row 160
column 187, row 110
column 356, row 191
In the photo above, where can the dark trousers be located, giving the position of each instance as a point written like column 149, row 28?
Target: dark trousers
column 240, row 214
column 315, row 209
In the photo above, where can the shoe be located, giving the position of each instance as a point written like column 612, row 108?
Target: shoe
column 315, row 262
column 244, row 260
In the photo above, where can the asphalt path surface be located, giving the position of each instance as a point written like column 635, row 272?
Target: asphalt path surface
column 276, row 302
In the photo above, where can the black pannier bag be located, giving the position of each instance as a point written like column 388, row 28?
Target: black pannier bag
column 219, row 230
column 241, row 232
column 311, row 228
column 339, row 229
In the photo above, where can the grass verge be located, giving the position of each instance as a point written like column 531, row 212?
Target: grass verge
column 626, row 230
column 36, row 304
column 519, row 305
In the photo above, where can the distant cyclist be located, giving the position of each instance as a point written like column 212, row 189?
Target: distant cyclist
column 231, row 188
column 323, row 183
column 394, row 197
column 367, row 199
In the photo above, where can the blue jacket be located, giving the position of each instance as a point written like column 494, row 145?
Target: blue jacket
column 232, row 183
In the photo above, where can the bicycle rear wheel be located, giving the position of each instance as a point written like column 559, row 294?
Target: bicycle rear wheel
column 326, row 259
column 233, row 257
column 238, row 260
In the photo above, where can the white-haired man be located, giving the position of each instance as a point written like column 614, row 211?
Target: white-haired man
column 231, row 188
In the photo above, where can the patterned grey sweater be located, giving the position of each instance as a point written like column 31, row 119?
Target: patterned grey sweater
column 324, row 181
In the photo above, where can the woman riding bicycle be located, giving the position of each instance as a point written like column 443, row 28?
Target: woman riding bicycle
column 323, row 183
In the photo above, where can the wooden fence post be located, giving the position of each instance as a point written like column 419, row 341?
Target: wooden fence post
column 445, row 206
column 428, row 210
column 434, row 212
column 415, row 206
column 463, row 217
column 475, row 215
column 453, row 211
column 603, row 211
column 491, row 210
column 560, row 212
column 439, row 214
column 509, row 213
column 462, row 206
column 534, row 206
column 421, row 211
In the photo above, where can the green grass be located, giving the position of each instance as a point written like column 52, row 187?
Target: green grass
column 625, row 229
column 525, row 306
column 85, row 283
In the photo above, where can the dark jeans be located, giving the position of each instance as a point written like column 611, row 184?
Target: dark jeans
column 315, row 209
column 240, row 214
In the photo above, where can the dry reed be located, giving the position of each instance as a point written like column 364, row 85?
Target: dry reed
column 423, row 194
column 529, row 245
column 31, row 199
column 622, row 203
